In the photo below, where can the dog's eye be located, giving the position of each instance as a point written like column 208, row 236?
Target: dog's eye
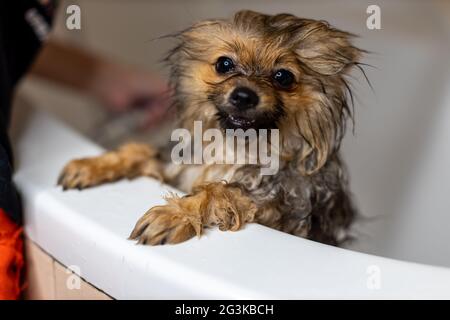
column 224, row 65
column 284, row 78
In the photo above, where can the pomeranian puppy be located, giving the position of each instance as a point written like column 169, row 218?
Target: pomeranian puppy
column 254, row 71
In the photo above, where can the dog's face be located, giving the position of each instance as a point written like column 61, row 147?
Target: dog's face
column 260, row 71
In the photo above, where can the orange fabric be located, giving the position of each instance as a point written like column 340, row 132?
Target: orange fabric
column 11, row 258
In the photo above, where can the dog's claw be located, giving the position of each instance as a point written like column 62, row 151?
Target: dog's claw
column 162, row 225
column 79, row 174
column 61, row 178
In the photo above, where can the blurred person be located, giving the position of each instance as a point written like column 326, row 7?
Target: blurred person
column 24, row 26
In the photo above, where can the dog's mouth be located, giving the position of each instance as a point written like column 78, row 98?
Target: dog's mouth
column 238, row 122
column 255, row 120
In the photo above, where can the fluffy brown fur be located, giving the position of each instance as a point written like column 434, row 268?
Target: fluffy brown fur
column 308, row 196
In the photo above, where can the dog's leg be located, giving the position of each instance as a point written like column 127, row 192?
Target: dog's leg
column 129, row 161
column 180, row 219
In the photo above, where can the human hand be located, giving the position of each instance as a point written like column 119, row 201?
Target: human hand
column 121, row 88
column 117, row 87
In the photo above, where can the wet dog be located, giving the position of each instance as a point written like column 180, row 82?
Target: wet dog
column 254, row 71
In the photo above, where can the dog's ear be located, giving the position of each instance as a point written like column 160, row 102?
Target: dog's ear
column 247, row 19
column 320, row 130
column 194, row 42
column 199, row 36
column 326, row 54
column 324, row 49
column 329, row 54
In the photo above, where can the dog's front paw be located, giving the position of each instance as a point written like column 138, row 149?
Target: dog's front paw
column 80, row 174
column 165, row 224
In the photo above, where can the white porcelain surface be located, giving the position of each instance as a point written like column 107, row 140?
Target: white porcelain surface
column 89, row 229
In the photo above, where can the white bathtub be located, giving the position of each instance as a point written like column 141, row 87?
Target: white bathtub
column 399, row 164
column 89, row 229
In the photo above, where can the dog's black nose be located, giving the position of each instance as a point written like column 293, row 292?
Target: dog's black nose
column 243, row 98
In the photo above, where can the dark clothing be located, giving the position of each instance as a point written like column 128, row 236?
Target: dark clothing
column 23, row 26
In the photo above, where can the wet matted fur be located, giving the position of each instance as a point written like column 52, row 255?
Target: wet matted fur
column 309, row 195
